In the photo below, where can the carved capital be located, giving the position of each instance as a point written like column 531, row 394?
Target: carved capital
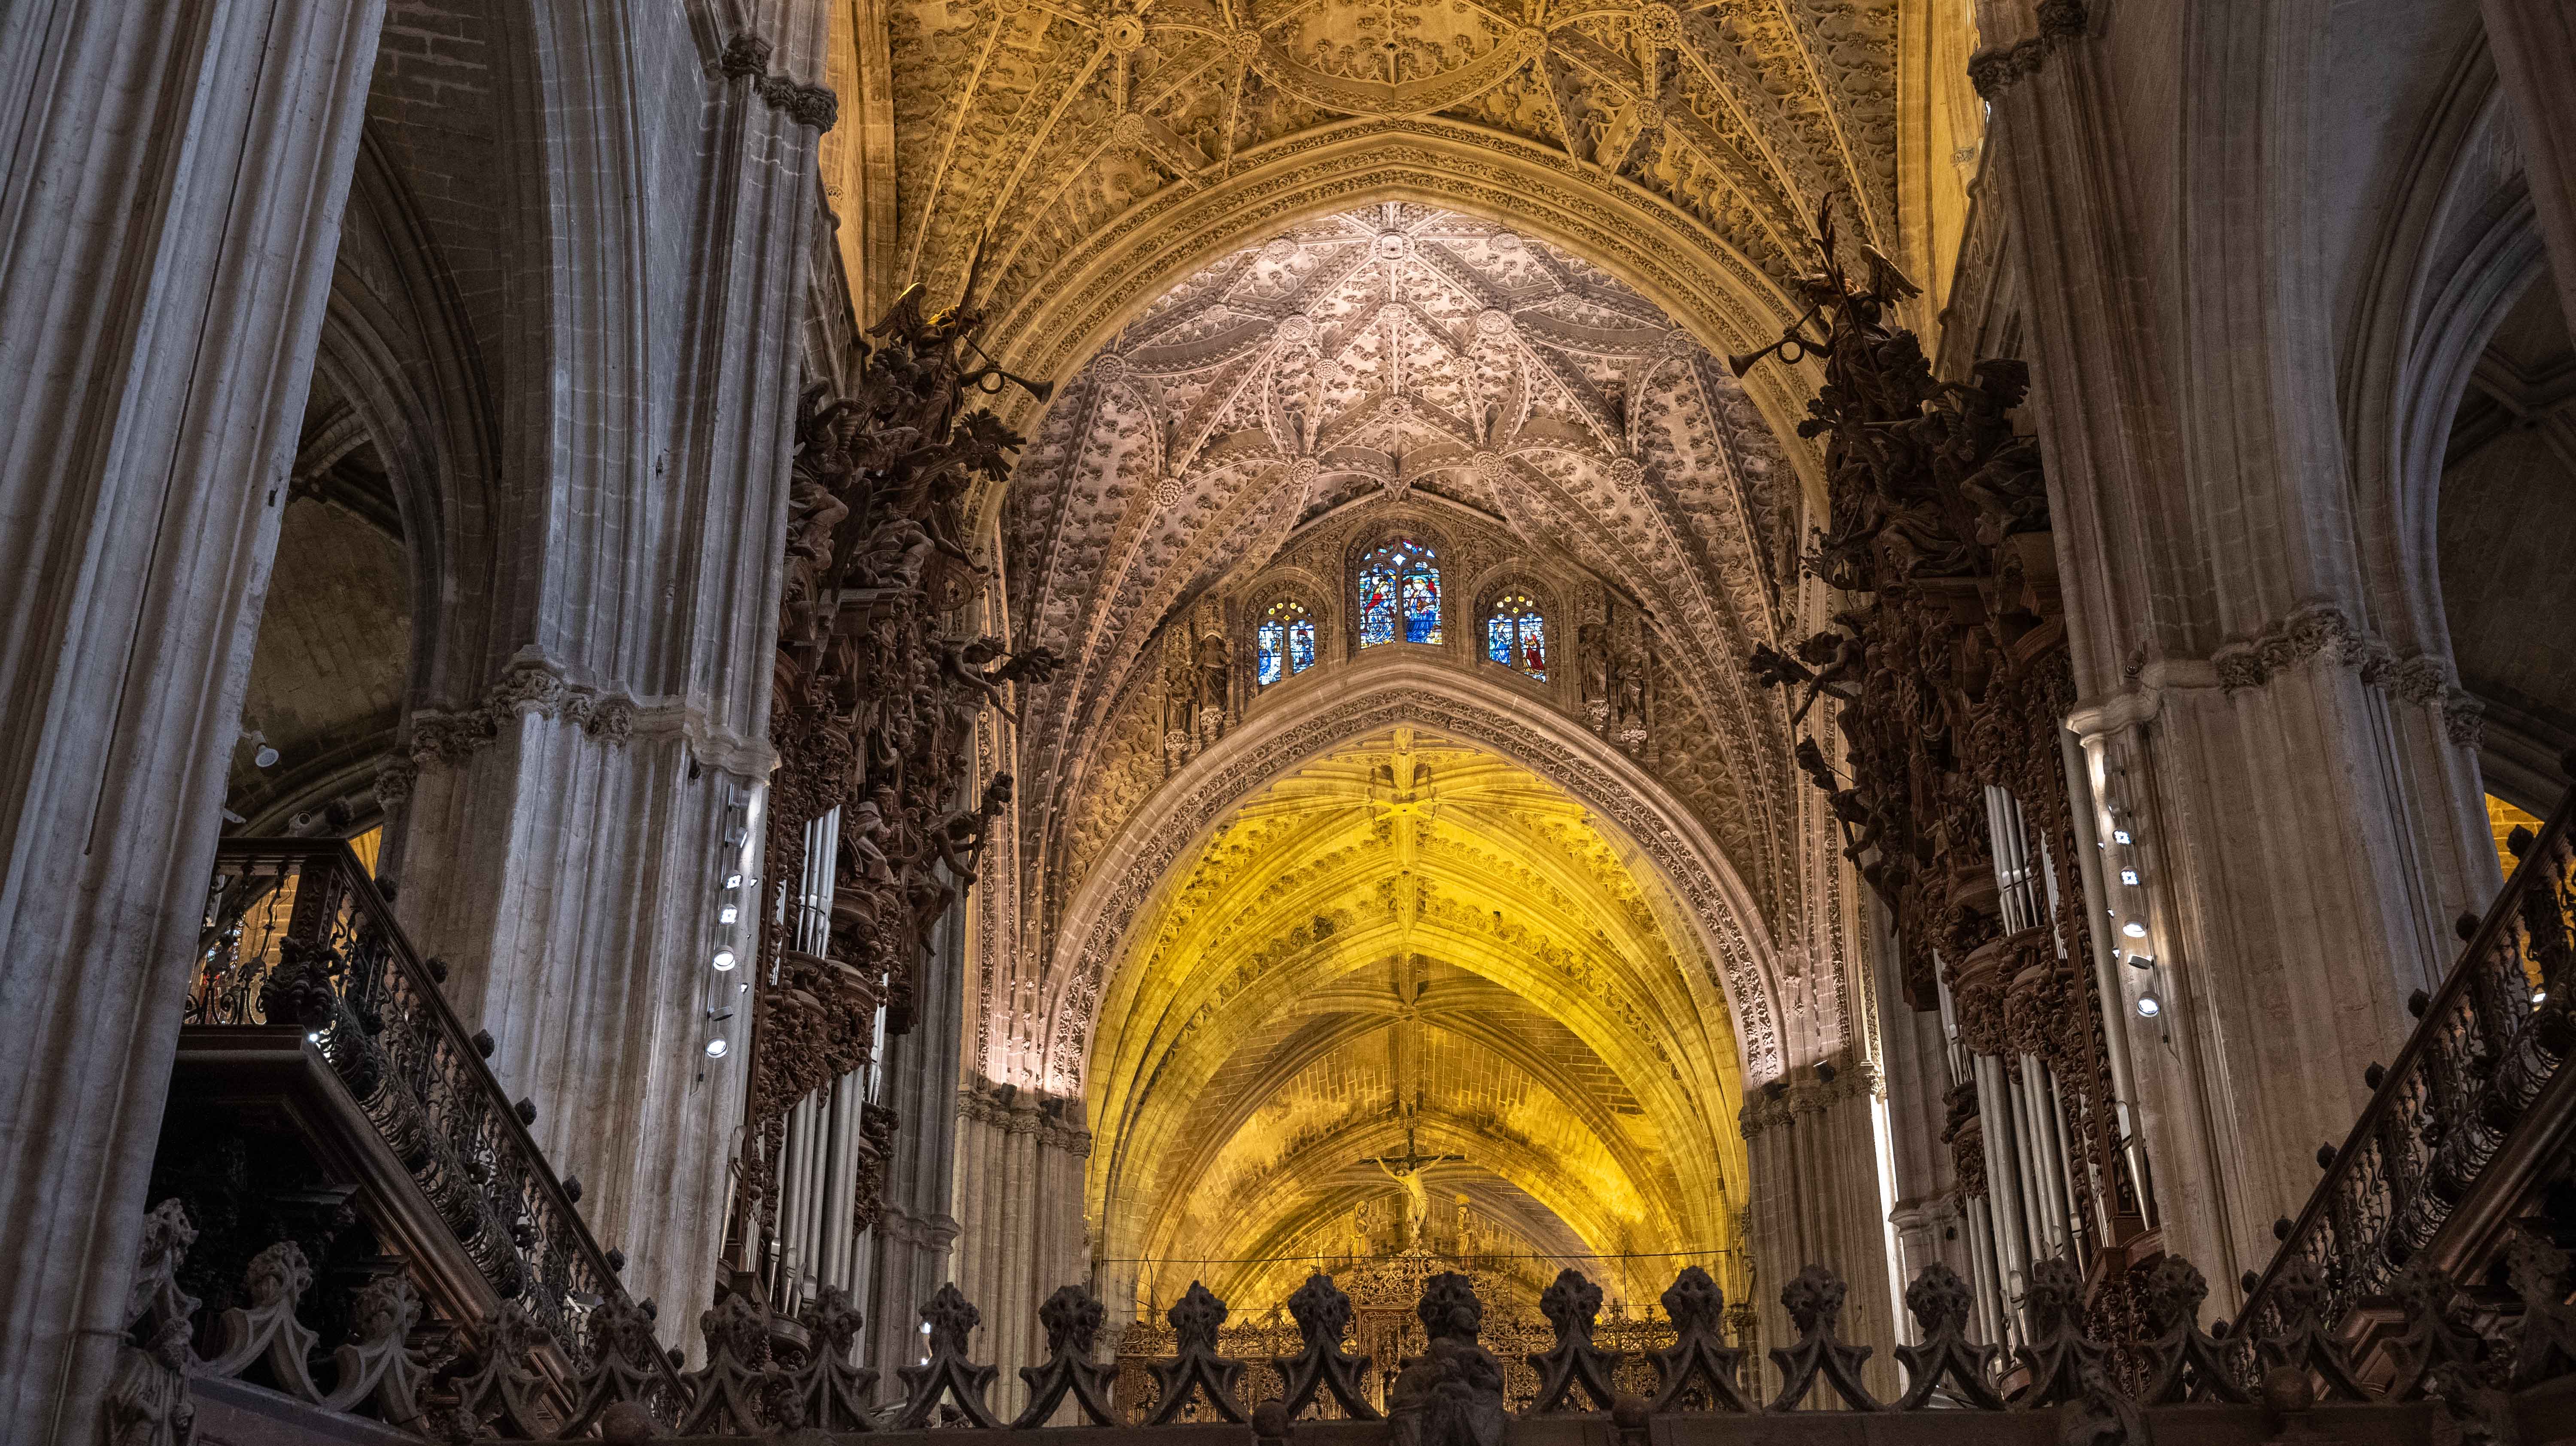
column 814, row 106
column 745, row 56
column 2062, row 19
column 395, row 775
column 2463, row 718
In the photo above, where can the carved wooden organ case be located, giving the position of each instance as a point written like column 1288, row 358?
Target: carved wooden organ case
column 879, row 687
column 1949, row 674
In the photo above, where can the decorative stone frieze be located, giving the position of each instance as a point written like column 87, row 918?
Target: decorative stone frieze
column 534, row 686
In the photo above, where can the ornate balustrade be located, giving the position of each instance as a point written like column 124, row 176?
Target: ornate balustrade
column 297, row 937
column 2462, row 1125
column 2453, row 1383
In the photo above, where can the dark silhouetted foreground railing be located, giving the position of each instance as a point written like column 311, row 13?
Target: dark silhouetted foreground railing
column 295, row 934
column 2492, row 1040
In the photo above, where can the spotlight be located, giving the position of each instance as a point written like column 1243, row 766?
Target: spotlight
column 733, row 881
column 266, row 757
column 716, row 1048
column 2129, row 877
column 2134, row 929
column 2148, row 1007
column 727, row 914
column 2119, row 835
column 724, row 960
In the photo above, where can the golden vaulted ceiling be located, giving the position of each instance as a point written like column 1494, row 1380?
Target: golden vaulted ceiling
column 1410, row 946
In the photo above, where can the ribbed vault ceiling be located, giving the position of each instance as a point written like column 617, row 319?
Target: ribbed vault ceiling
column 1412, row 349
column 1026, row 127
column 1409, row 936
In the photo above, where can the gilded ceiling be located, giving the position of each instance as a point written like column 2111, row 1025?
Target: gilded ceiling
column 1031, row 126
column 1397, row 350
column 1409, row 950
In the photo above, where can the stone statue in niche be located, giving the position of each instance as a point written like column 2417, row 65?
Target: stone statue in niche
column 1179, row 704
column 1213, row 669
column 1592, row 647
column 1629, row 666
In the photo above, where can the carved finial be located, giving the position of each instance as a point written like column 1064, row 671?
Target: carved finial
column 1941, row 1303
column 1814, row 1301
column 1573, row 1305
column 1323, row 1315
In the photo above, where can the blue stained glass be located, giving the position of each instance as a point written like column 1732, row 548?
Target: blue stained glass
column 1377, row 607
column 1271, row 652
column 1301, row 645
column 1399, row 595
column 1422, row 606
column 1516, row 636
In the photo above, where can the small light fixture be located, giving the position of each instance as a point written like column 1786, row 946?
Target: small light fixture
column 733, row 881
column 2134, row 929
column 2149, row 1006
column 728, row 914
column 724, row 961
column 2540, row 996
column 2129, row 877
column 716, row 1047
column 2119, row 835
column 315, row 1036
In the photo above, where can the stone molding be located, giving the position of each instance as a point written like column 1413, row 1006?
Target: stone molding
column 2318, row 629
column 537, row 686
column 1995, row 69
column 746, row 57
column 1782, row 1101
column 1016, row 1111
column 934, row 1232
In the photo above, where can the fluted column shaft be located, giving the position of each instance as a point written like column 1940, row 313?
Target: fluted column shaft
column 177, row 174
column 570, row 830
column 1020, row 1231
column 2298, row 790
column 1813, row 1155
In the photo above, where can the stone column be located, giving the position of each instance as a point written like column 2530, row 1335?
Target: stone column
column 570, row 829
column 1021, row 1157
column 2299, row 793
column 1813, row 1156
column 912, row 1244
column 177, row 174
column 1929, row 1222
column 2534, row 44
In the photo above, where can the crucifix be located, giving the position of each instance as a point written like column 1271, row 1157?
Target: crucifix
column 1406, row 1171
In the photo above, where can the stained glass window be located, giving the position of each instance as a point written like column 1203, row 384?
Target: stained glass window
column 1287, row 642
column 1399, row 594
column 1273, row 652
column 1516, row 636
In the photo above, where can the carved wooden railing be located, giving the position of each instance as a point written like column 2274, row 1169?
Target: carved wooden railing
column 295, row 933
column 2492, row 1039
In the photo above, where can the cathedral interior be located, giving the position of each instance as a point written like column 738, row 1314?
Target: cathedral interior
column 1442, row 719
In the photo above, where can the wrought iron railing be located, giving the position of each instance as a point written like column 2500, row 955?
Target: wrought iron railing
column 2492, row 1038
column 296, row 934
